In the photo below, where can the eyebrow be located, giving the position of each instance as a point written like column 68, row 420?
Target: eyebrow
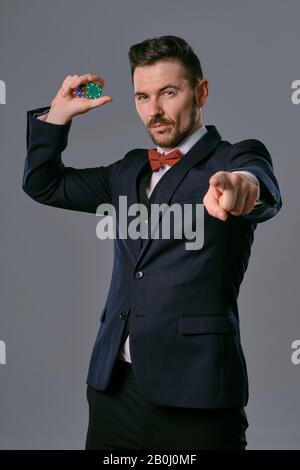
column 137, row 93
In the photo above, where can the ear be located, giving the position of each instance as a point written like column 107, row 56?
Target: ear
column 201, row 92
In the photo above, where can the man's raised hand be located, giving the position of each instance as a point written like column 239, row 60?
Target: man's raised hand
column 65, row 105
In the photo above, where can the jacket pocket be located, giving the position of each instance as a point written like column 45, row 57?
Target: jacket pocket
column 207, row 325
column 188, row 194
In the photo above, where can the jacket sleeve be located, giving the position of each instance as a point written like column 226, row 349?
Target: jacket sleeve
column 48, row 181
column 252, row 155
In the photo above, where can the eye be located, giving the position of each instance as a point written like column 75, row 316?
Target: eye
column 140, row 96
column 169, row 91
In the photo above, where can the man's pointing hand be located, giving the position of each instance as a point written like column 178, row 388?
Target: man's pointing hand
column 230, row 192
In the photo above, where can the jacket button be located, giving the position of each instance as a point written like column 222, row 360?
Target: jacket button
column 122, row 315
column 139, row 274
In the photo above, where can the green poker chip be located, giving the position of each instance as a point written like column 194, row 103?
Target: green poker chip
column 93, row 90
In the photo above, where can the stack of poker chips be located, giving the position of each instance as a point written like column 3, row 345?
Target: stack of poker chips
column 91, row 90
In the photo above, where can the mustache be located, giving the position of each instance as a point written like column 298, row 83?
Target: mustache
column 154, row 123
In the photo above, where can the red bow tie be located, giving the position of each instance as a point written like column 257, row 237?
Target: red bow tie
column 157, row 160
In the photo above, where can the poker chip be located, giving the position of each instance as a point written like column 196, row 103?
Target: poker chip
column 91, row 90
column 79, row 92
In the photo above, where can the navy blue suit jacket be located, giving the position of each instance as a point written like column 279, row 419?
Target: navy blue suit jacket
column 185, row 347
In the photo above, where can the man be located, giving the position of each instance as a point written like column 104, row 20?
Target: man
column 167, row 370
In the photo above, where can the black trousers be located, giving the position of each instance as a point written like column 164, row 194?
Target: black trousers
column 121, row 418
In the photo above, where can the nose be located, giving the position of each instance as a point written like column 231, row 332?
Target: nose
column 154, row 109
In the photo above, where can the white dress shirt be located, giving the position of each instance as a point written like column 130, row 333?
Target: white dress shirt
column 184, row 147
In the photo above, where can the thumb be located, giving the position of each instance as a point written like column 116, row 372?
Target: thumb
column 106, row 99
column 100, row 101
column 219, row 181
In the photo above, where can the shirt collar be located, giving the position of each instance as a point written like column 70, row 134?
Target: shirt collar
column 187, row 143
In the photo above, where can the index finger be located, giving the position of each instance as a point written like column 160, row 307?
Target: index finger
column 86, row 78
column 211, row 202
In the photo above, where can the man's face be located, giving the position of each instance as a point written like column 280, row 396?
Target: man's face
column 164, row 96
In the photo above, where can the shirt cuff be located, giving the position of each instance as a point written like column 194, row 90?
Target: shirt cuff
column 41, row 116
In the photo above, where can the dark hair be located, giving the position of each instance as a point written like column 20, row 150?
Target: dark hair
column 152, row 50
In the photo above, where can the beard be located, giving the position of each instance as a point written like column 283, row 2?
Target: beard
column 173, row 139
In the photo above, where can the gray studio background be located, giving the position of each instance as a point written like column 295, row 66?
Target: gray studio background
column 55, row 272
